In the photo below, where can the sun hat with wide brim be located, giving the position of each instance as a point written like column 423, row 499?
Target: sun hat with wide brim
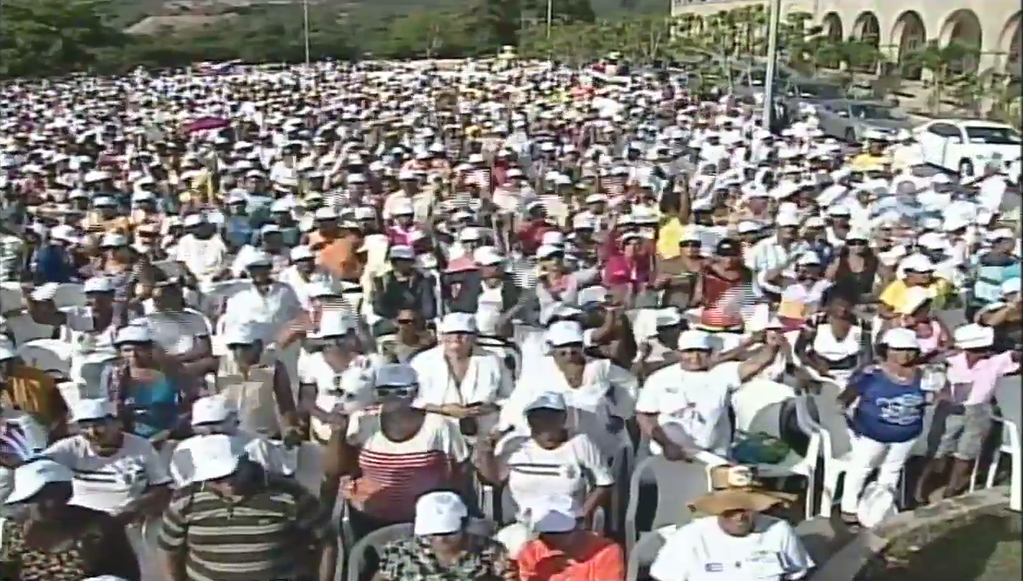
column 735, row 488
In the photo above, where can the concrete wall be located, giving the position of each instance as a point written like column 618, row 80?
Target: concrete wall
column 993, row 24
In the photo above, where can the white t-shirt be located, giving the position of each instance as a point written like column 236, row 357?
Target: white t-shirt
column 267, row 313
column 110, row 483
column 692, row 404
column 350, row 389
column 701, row 551
column 204, row 258
column 176, row 332
column 485, row 381
column 570, row 469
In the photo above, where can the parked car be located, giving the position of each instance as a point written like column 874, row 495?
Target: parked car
column 853, row 120
column 965, row 145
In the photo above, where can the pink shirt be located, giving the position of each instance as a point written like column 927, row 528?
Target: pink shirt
column 975, row 385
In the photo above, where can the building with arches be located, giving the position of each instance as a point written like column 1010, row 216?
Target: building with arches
column 898, row 27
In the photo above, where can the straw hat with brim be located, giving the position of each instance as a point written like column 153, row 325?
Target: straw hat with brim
column 735, row 488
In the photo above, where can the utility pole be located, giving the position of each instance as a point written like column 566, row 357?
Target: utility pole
column 305, row 30
column 550, row 16
column 772, row 60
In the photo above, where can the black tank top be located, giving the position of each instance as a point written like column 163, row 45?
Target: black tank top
column 861, row 282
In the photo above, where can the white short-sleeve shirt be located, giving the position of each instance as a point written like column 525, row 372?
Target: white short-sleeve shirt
column 570, row 469
column 693, row 402
column 110, row 483
column 701, row 551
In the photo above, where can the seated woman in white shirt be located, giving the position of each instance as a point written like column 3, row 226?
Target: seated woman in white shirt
column 600, row 395
column 335, row 380
column 550, row 460
column 682, row 409
column 459, row 380
column 734, row 540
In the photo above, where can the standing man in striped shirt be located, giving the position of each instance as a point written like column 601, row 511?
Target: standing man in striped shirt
column 237, row 523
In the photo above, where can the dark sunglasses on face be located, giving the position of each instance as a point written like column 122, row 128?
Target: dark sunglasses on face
column 395, row 390
column 406, row 322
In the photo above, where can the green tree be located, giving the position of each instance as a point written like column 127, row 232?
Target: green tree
column 946, row 65
column 39, row 37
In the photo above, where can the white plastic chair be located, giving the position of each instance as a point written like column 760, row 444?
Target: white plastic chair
column 758, row 406
column 69, row 294
column 24, row 330
column 834, row 466
column 677, row 484
column 51, row 356
column 10, row 296
column 1010, row 402
column 375, row 541
column 645, row 552
column 87, row 370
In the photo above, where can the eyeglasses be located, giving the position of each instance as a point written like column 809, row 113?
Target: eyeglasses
column 395, row 390
column 406, row 321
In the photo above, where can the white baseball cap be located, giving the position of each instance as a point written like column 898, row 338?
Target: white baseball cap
column 917, row 263
column 564, row 333
column 900, row 338
column 299, row 253
column 439, row 513
column 457, row 323
column 85, row 410
column 550, row 400
column 487, row 256
column 133, row 334
column 45, row 292
column 31, row 477
column 99, row 284
column 694, row 340
column 212, row 409
column 401, row 252
column 395, row 375
column 335, row 323
column 974, row 336
column 214, row 456
column 552, row 514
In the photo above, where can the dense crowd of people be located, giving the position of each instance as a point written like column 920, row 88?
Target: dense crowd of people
column 413, row 321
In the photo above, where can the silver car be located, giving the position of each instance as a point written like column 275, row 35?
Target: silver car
column 853, row 120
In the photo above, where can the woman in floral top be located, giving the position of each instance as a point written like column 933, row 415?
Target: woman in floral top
column 442, row 549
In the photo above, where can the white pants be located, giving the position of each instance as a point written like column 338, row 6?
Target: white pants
column 866, row 455
column 145, row 550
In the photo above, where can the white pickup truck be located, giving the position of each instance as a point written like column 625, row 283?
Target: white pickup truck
column 967, row 146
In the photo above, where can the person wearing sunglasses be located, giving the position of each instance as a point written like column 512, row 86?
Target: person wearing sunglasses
column 334, row 379
column 854, row 265
column 382, row 459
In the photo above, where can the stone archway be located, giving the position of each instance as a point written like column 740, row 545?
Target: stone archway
column 834, row 31
column 1011, row 44
column 867, row 29
column 909, row 34
column 963, row 27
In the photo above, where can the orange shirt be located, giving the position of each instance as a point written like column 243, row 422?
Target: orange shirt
column 600, row 560
column 338, row 257
column 36, row 393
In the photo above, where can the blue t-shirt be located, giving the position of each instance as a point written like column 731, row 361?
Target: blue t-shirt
column 887, row 412
column 154, row 406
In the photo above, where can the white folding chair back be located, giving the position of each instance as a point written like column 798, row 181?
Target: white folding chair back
column 69, row 294
column 24, row 330
column 52, row 356
column 87, row 370
column 757, row 406
column 677, row 484
column 10, row 296
column 376, row 541
column 1010, row 416
column 645, row 551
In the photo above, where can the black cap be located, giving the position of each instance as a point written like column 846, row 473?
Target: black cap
column 728, row 247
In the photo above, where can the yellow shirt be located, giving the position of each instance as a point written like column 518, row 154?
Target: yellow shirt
column 668, row 238
column 896, row 293
column 866, row 162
